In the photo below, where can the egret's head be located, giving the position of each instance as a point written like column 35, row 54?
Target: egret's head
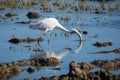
column 77, row 32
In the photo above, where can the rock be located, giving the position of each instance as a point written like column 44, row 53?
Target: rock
column 33, row 15
column 30, row 70
column 10, row 14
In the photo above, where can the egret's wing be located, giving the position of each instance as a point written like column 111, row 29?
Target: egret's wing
column 37, row 25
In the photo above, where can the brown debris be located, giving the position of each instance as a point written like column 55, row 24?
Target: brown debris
column 16, row 40
column 24, row 22
column 10, row 14
column 33, row 15
column 56, row 69
column 117, row 51
column 102, row 44
column 108, row 64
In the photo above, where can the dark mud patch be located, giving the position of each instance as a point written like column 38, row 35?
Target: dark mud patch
column 9, row 15
column 102, row 44
column 80, row 71
column 30, row 70
column 117, row 51
column 33, row 15
column 24, row 22
column 13, row 68
column 100, row 12
column 85, row 32
column 108, row 64
column 16, row 40
column 38, row 50
column 57, row 68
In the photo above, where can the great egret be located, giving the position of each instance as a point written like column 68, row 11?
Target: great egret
column 49, row 24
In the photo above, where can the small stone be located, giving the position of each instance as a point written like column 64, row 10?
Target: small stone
column 30, row 70
column 85, row 32
column 33, row 15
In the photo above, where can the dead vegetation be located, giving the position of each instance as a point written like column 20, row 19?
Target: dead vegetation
column 47, row 6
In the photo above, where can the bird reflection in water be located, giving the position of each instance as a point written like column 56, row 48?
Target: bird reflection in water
column 48, row 53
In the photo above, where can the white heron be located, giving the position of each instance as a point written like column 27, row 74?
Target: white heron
column 48, row 24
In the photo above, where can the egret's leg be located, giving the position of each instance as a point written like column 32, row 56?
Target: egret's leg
column 38, row 42
column 38, row 39
column 48, row 37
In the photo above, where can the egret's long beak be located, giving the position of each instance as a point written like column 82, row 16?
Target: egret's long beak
column 78, row 33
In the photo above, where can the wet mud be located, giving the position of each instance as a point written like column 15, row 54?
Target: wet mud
column 77, row 71
column 117, row 51
column 11, row 14
column 102, row 44
column 12, row 68
column 28, row 39
column 24, row 22
column 80, row 71
column 108, row 64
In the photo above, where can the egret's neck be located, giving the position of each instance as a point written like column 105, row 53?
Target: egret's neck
column 62, row 28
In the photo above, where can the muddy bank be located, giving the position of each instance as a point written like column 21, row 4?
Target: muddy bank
column 80, row 71
column 77, row 71
column 102, row 44
column 17, row 40
column 13, row 68
column 117, row 51
column 108, row 64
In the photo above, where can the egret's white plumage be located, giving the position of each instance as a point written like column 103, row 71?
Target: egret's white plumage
column 49, row 24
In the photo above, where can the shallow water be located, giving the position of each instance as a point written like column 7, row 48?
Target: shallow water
column 100, row 27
